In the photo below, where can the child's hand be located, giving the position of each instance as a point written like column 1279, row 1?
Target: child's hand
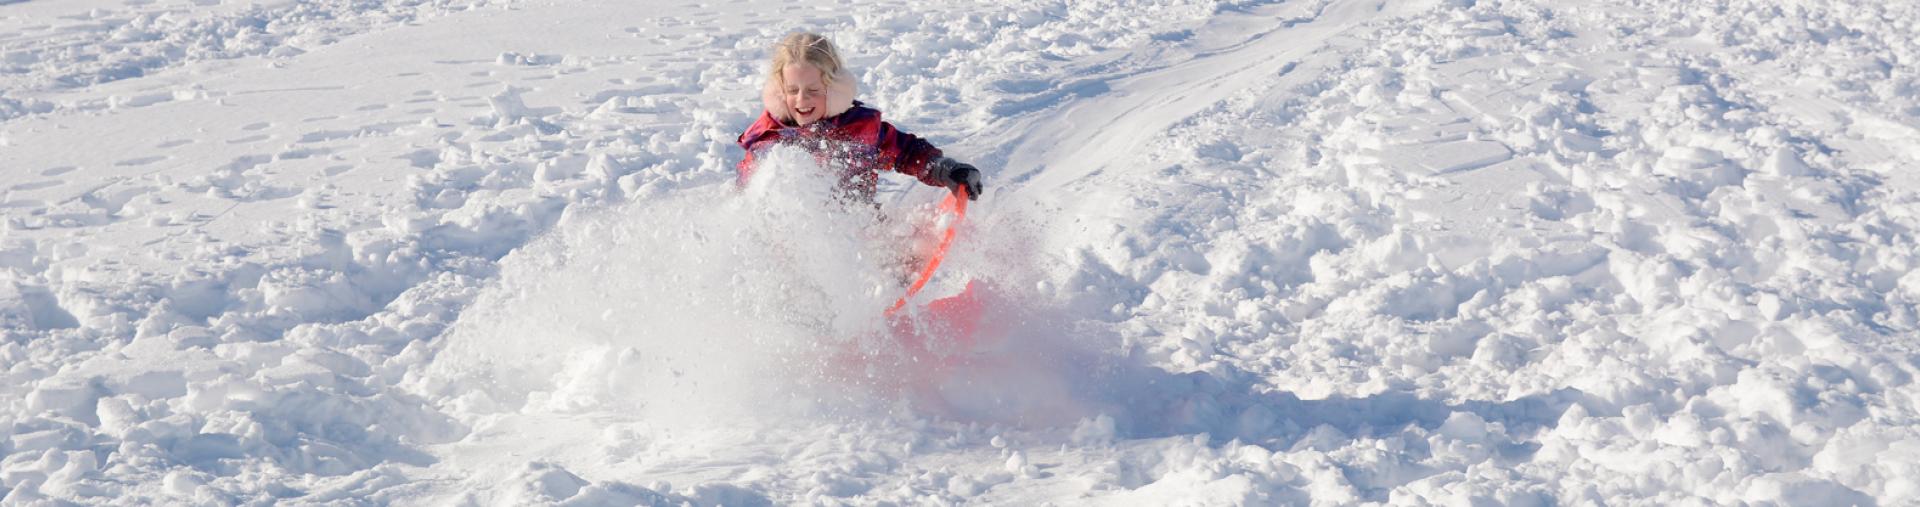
column 958, row 174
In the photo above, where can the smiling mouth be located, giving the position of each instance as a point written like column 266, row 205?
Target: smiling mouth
column 804, row 111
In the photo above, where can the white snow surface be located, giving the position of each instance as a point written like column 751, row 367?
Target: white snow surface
column 1305, row 252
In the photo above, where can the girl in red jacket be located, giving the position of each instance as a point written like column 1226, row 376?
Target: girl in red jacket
column 809, row 103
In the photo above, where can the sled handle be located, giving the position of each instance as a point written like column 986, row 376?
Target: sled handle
column 956, row 203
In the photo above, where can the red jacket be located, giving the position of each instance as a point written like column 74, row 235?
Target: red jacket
column 857, row 141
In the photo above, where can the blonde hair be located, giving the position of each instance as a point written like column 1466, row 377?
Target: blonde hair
column 807, row 47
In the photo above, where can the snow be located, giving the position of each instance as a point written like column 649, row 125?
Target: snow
column 1302, row 252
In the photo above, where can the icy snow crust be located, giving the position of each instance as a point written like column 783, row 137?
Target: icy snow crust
column 1315, row 252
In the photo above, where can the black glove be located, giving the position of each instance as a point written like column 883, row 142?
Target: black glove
column 958, row 174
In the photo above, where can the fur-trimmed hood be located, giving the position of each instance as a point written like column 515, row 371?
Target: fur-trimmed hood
column 839, row 97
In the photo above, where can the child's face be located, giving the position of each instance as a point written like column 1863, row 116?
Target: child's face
column 805, row 93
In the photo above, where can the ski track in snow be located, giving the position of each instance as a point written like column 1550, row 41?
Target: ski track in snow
column 1303, row 252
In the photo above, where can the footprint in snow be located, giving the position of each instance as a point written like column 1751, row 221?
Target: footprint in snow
column 38, row 205
column 112, row 201
column 132, row 162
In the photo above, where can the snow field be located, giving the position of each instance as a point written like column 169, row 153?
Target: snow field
column 270, row 361
column 1325, row 252
column 1490, row 204
column 253, row 359
column 65, row 47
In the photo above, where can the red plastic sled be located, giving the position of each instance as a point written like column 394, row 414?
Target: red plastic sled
column 931, row 339
column 956, row 205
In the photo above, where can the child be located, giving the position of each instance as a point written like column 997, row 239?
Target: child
column 809, row 103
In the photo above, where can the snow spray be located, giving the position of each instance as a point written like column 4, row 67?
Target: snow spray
column 703, row 306
column 718, row 305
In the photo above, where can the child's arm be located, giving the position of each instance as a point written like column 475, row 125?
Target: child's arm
column 908, row 154
column 744, row 170
column 763, row 131
column 913, row 156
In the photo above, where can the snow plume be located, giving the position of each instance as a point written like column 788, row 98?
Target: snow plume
column 1034, row 364
column 702, row 306
column 756, row 305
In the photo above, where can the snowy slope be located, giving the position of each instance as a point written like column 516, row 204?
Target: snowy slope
column 1314, row 252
